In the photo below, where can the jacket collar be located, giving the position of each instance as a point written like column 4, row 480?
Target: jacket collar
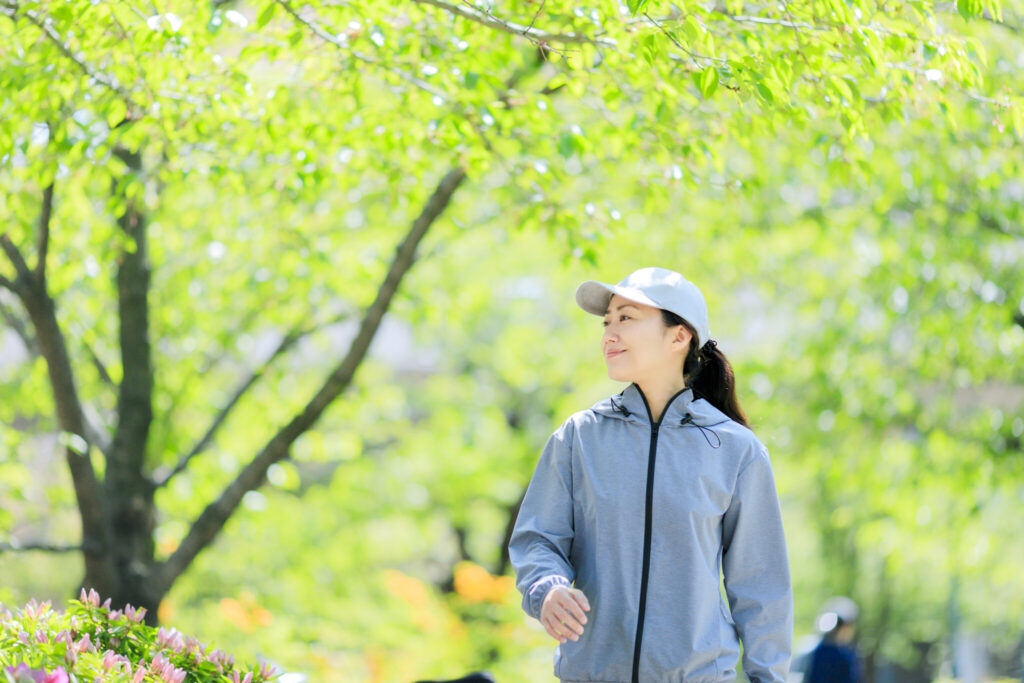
column 631, row 405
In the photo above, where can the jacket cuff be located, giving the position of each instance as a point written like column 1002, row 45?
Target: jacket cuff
column 535, row 596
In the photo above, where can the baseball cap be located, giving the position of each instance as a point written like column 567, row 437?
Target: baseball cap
column 837, row 611
column 658, row 287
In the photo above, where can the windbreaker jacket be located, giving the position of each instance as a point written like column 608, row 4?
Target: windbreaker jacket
column 642, row 516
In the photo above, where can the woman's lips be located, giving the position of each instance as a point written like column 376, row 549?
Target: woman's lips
column 612, row 354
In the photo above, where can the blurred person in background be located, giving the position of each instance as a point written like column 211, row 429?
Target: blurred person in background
column 835, row 659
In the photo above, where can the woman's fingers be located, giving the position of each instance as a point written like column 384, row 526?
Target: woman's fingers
column 564, row 630
column 554, row 630
column 572, row 617
column 580, row 598
column 576, row 603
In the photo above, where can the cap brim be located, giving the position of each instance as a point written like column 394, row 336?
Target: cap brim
column 593, row 296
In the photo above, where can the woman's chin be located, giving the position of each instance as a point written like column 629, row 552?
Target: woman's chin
column 618, row 375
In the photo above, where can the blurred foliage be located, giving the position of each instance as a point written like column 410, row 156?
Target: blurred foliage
column 842, row 179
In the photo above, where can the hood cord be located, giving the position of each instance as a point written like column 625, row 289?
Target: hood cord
column 619, row 407
column 688, row 419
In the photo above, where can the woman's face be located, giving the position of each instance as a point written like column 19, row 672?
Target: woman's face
column 638, row 347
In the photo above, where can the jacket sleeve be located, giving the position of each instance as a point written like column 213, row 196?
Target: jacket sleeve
column 542, row 536
column 756, row 572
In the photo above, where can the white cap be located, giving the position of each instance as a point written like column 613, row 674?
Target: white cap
column 658, row 287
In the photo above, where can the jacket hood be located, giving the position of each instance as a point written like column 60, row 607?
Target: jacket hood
column 682, row 409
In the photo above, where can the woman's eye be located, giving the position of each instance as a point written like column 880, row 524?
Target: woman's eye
column 604, row 323
column 623, row 317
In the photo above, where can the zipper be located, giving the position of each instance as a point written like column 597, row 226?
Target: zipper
column 648, row 515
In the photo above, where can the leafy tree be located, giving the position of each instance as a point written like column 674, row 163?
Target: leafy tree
column 233, row 178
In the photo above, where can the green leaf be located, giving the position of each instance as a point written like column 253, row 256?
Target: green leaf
column 635, row 6
column 709, row 82
column 766, row 94
column 266, row 14
column 116, row 112
column 692, row 30
column 969, row 8
column 649, row 48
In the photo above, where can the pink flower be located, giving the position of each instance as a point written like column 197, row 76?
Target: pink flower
column 170, row 639
column 222, row 660
column 193, row 646
column 84, row 644
column 135, row 614
column 34, row 610
column 23, row 674
column 109, row 660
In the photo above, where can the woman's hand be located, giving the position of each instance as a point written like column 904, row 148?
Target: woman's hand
column 562, row 613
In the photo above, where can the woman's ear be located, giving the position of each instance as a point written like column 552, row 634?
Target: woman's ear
column 682, row 336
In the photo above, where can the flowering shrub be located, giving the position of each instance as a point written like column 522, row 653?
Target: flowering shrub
column 92, row 643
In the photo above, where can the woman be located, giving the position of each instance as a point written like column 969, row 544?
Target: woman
column 638, row 503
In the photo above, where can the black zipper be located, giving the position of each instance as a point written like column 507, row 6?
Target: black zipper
column 648, row 509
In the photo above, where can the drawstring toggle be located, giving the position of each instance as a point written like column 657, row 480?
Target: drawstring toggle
column 688, row 419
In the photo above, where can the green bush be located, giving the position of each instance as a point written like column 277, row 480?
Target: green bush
column 90, row 642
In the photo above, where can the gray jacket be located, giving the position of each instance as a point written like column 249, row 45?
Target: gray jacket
column 642, row 517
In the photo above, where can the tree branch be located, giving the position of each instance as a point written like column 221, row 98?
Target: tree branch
column 212, row 520
column 535, row 36
column 326, row 36
column 286, row 342
column 18, row 261
column 40, row 22
column 44, row 233
column 50, row 342
column 787, row 24
column 20, row 328
column 209, row 361
column 7, row 284
column 40, row 547
column 765, row 21
column 97, row 362
column 693, row 55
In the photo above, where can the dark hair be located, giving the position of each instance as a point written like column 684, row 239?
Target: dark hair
column 708, row 373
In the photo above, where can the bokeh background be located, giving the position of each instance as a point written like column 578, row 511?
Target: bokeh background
column 289, row 435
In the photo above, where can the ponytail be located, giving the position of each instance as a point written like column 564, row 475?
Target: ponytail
column 708, row 373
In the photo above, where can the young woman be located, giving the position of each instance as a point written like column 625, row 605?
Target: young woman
column 640, row 505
